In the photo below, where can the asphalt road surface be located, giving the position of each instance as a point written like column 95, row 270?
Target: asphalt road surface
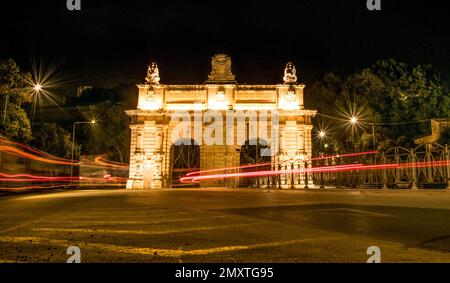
column 226, row 225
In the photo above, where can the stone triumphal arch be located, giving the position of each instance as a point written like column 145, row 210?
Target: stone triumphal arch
column 157, row 159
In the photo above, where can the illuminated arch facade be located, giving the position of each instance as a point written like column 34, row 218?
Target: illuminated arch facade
column 152, row 125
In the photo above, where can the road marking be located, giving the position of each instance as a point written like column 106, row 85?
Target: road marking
column 137, row 232
column 9, row 261
column 149, row 214
column 61, row 212
column 130, row 209
column 358, row 212
column 89, row 218
column 153, row 251
column 102, row 222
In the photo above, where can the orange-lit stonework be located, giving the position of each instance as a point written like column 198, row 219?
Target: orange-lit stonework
column 153, row 126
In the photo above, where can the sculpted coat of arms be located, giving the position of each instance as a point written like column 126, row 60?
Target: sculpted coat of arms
column 221, row 69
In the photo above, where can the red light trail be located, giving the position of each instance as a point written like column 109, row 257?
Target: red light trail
column 34, row 178
column 337, row 168
column 269, row 163
column 27, row 152
column 21, row 153
column 108, row 163
column 24, row 151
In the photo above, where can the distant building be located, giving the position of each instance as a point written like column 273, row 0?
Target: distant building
column 82, row 88
column 437, row 128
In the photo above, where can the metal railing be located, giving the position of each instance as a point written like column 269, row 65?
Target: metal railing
column 426, row 167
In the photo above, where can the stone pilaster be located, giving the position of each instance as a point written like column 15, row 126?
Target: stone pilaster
column 308, row 149
column 137, row 157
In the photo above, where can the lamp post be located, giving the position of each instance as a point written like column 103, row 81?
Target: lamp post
column 373, row 137
column 4, row 120
column 73, row 144
column 322, row 135
column 354, row 121
column 6, row 107
column 322, row 163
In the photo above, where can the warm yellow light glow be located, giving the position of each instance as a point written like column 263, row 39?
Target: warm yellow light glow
column 186, row 107
column 253, row 106
column 37, row 87
column 217, row 105
column 302, row 157
column 353, row 120
column 150, row 105
column 93, row 121
column 286, row 104
column 322, row 134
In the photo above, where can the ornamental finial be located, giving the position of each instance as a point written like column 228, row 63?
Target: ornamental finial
column 289, row 74
column 152, row 74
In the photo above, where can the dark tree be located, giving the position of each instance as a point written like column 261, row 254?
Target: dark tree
column 110, row 134
column 399, row 100
column 14, row 87
column 53, row 139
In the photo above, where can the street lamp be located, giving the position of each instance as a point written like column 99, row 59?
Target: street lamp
column 322, row 134
column 373, row 136
column 92, row 122
column 37, row 87
column 354, row 121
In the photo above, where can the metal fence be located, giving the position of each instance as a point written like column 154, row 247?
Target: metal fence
column 426, row 167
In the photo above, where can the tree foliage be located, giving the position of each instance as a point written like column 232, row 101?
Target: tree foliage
column 53, row 139
column 17, row 125
column 14, row 123
column 399, row 99
column 110, row 134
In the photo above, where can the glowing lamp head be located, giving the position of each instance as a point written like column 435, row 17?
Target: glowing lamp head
column 353, row 120
column 37, row 87
column 93, row 122
column 322, row 134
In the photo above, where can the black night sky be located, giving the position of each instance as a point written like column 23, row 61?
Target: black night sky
column 113, row 41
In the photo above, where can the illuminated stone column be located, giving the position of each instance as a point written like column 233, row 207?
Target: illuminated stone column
column 137, row 157
column 152, row 142
column 158, row 158
column 165, row 155
column 132, row 168
column 282, row 158
column 308, row 150
column 294, row 149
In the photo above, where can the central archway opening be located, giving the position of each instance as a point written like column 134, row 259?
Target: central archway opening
column 185, row 158
column 254, row 152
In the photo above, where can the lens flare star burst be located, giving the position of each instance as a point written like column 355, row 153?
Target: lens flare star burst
column 42, row 83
